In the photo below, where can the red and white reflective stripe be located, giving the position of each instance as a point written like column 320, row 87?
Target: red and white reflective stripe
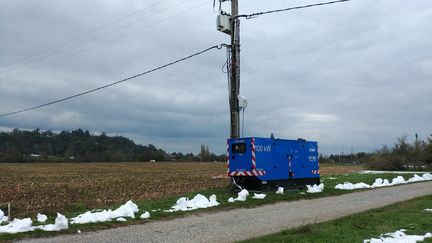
column 247, row 173
column 253, row 154
column 228, row 156
column 253, row 172
column 315, row 172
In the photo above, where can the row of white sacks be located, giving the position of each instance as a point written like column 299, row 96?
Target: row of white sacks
column 61, row 222
column 129, row 209
column 382, row 183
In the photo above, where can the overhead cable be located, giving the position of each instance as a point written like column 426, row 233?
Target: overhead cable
column 116, row 82
column 249, row 16
column 61, row 51
column 34, row 57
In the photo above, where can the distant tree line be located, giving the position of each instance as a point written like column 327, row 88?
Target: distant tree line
column 206, row 155
column 403, row 155
column 82, row 146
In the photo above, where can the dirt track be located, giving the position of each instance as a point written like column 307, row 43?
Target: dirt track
column 229, row 226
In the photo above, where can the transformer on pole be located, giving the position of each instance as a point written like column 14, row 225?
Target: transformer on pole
column 230, row 24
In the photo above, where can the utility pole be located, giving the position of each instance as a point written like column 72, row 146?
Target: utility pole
column 235, row 71
column 230, row 24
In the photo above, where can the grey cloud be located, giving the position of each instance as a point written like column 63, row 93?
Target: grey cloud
column 351, row 76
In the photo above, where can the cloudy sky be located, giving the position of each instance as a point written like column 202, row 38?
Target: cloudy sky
column 352, row 76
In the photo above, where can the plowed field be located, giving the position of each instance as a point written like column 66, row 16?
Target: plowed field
column 43, row 187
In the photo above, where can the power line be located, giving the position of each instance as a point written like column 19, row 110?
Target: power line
column 75, row 44
column 249, row 16
column 78, row 37
column 108, row 41
column 116, row 82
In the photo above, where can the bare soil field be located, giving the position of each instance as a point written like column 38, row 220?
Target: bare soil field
column 48, row 188
column 332, row 169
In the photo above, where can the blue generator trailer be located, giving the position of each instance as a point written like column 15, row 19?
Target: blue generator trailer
column 268, row 163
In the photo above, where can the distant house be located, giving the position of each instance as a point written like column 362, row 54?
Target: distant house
column 152, row 161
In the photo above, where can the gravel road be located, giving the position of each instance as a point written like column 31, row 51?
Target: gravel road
column 239, row 224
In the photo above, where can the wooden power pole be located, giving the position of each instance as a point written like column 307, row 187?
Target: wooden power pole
column 235, row 71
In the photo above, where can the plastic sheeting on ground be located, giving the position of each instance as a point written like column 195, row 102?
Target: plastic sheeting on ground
column 145, row 215
column 259, row 196
column 42, row 218
column 280, row 190
column 241, row 196
column 398, row 236
column 384, row 182
column 126, row 210
column 199, row 201
column 61, row 223
column 25, row 225
column 315, row 188
column 3, row 218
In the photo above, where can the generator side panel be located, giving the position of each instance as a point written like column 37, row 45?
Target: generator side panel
column 282, row 150
column 286, row 159
column 295, row 159
column 312, row 158
column 305, row 161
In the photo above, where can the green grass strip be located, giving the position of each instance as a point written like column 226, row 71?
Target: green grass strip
column 409, row 215
column 222, row 197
